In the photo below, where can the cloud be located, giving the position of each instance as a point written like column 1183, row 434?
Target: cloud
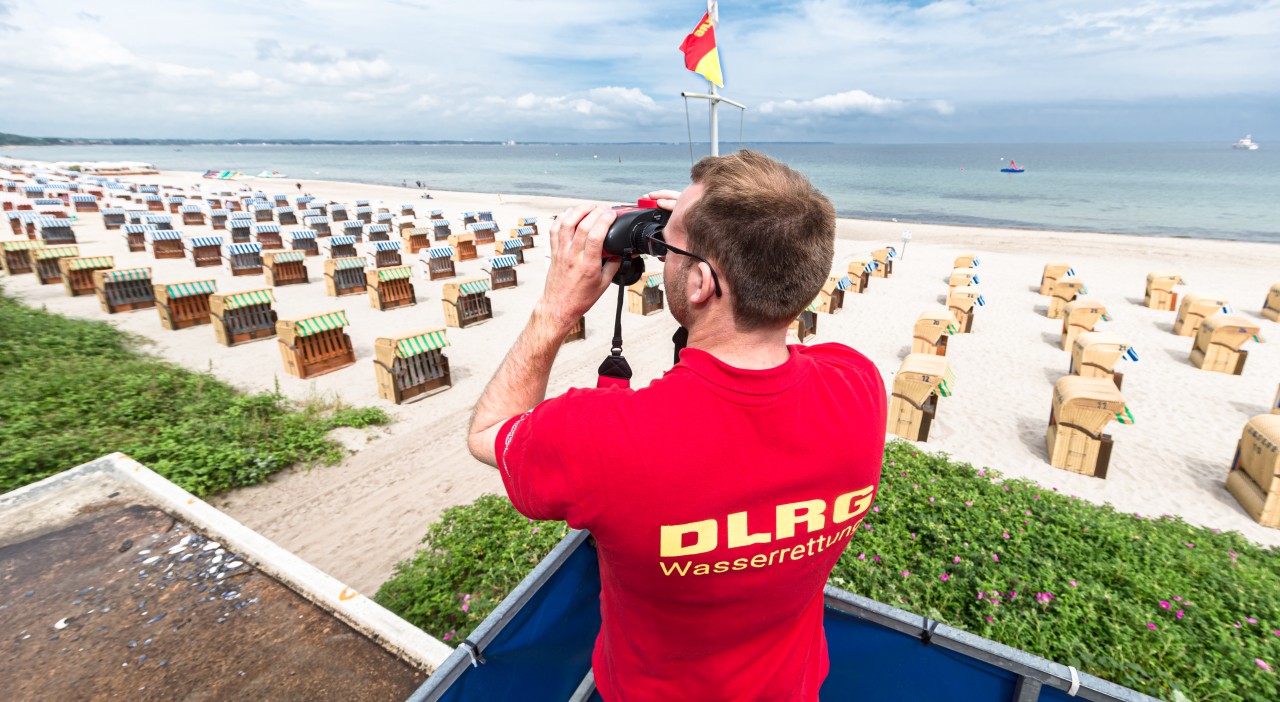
column 853, row 102
column 89, row 16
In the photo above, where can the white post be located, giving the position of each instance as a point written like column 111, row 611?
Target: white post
column 715, row 121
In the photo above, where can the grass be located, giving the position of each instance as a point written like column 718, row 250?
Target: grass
column 1152, row 603
column 74, row 390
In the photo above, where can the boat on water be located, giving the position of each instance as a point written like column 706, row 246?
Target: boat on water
column 1013, row 168
column 271, row 174
column 224, row 175
column 1246, row 144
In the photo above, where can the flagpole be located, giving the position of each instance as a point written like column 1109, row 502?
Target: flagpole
column 715, row 122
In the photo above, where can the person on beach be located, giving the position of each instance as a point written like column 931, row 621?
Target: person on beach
column 717, row 505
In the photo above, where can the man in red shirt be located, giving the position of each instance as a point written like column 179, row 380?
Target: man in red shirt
column 719, row 496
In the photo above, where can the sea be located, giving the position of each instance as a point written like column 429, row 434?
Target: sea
column 1196, row 190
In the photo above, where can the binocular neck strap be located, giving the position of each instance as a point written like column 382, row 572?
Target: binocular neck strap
column 615, row 370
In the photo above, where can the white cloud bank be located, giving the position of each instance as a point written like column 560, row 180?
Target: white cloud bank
column 854, row 102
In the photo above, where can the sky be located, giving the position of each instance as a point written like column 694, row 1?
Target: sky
column 857, row 71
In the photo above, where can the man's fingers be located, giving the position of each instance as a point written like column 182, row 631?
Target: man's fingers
column 607, row 272
column 594, row 242
column 566, row 226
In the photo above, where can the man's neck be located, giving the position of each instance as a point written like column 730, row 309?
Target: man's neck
column 755, row 350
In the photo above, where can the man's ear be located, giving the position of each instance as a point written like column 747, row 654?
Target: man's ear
column 703, row 287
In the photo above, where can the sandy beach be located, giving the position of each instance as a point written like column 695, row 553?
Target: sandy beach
column 357, row 519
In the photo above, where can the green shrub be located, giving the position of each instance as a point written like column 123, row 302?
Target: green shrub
column 74, row 390
column 1148, row 602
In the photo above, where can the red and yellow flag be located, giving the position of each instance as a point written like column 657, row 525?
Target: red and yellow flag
column 700, row 55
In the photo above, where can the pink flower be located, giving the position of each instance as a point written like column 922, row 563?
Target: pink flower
column 893, row 463
column 876, row 559
column 1044, row 597
column 1028, row 513
column 995, row 558
column 876, row 508
column 913, row 535
column 905, row 573
column 1190, row 545
column 982, row 474
column 1237, row 623
column 466, row 598
column 535, row 530
column 1006, row 534
column 981, row 594
column 1035, row 497
column 466, row 606
column 915, row 485
column 1233, row 556
column 1251, row 620
column 955, row 560
column 1179, row 614
column 1164, row 604
column 1151, row 626
column 931, row 499
column 450, row 634
column 1262, row 664
column 944, row 577
column 968, row 503
column 1277, row 633
column 862, row 556
column 990, row 619
column 1177, row 598
column 1073, row 583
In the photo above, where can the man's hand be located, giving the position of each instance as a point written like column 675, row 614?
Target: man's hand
column 576, row 278
column 666, row 198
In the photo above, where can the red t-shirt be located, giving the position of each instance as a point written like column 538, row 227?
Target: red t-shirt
column 720, row 499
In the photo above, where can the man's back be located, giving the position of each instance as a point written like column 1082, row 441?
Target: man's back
column 720, row 499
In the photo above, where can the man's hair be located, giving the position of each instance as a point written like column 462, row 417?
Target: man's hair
column 767, row 230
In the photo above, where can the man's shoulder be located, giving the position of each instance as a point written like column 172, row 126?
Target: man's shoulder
column 836, row 354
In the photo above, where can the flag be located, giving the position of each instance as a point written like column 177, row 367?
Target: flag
column 700, row 55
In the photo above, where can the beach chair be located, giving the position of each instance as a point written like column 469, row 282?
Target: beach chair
column 57, row 232
column 440, row 229
column 243, row 259
column 932, row 329
column 161, row 222
column 1081, row 316
column 135, row 236
column 315, row 345
column 406, row 210
column 154, row 203
column 390, row 287
column 805, row 325
column 242, row 317
column 484, row 232
column 205, row 251
column 77, row 273
column 318, row 224
column 510, row 247
column 966, row 261
column 435, row 215
column 17, row 258
column 280, row 200
column 338, row 213
column 378, row 232
column 183, row 305
column 1254, row 479
column 1064, row 291
column 486, row 217
column 340, row 246
column 1271, row 306
column 578, row 331
column 645, row 297
column 175, row 204
column 268, row 235
column 1159, row 294
column 464, row 246
column 46, row 259
column 122, row 290
column 241, row 230
column 386, row 253
column 218, row 218
column 353, row 228
column 1218, row 341
column 1193, row 309
column 832, row 293
column 1052, row 273
column 531, row 222
column 285, row 268
column 192, row 214
column 262, row 213
column 860, row 274
column 304, row 240
column 913, row 403
column 344, row 276
column 525, row 234
column 1082, row 408
column 502, row 272
column 469, row 218
column 364, row 214
column 466, row 303
column 286, row 216
column 438, row 260
column 165, row 243
column 961, row 277
column 33, row 223
column 84, row 203
column 884, row 257
column 412, row 366
column 1095, row 354
column 112, row 217
column 382, row 216
column 961, row 302
column 416, row 239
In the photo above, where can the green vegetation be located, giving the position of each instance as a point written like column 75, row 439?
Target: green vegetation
column 73, row 390
column 18, row 140
column 1148, row 602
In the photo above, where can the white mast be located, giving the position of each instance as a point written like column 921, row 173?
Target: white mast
column 713, row 97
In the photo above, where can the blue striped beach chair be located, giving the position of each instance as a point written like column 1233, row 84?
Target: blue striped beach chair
column 304, row 240
column 438, row 260
column 502, row 271
column 243, row 258
column 205, row 251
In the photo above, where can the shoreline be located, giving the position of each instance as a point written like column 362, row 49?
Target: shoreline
column 398, row 480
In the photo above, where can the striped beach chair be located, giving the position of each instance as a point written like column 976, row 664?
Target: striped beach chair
column 528, row 222
column 1081, row 316
column 932, row 330
column 315, row 345
column 218, row 218
column 241, row 230
column 1081, row 410
column 525, row 234
column 1194, row 309
column 502, row 272
column 285, row 268
column 205, row 251
column 159, row 221
column 192, row 214
column 56, row 232
column 832, row 293
column 268, row 235
column 469, row 218
column 16, row 256
column 1052, row 272
column 1218, row 341
column 318, row 224
column 378, row 232
column 364, row 214
column 353, row 228
column 175, row 204
column 440, row 229
column 644, row 297
column 46, row 260
column 390, row 287
column 1095, row 354
column 962, row 302
column 286, row 215
column 135, row 236
column 406, row 210
column 338, row 213
column 243, row 258
column 416, row 239
column 484, row 232
column 124, row 289
column 77, row 273
column 438, row 260
column 963, row 276
column 1064, row 290
column 165, row 243
column 386, row 253
column 466, row 302
column 884, row 256
column 340, row 246
column 304, row 240
column 921, row 380
column 344, row 276
column 411, row 366
column 183, row 305
column 510, row 247
column 242, row 317
column 84, row 203
column 262, row 212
